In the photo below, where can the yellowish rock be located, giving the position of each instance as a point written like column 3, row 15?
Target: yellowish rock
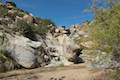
column 28, row 18
column 10, row 7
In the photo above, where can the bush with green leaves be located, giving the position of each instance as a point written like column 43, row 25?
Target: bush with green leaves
column 106, row 28
column 30, row 30
column 2, row 54
column 24, row 29
column 45, row 22
column 3, row 11
column 42, row 30
column 7, row 62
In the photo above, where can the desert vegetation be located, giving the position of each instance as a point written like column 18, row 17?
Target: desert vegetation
column 30, row 42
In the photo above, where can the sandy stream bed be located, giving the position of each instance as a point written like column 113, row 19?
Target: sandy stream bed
column 72, row 72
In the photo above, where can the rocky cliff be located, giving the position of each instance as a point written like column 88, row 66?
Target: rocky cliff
column 28, row 42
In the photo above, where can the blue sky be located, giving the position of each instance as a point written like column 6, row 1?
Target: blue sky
column 62, row 12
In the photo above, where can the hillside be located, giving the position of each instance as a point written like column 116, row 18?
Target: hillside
column 34, row 48
column 29, row 42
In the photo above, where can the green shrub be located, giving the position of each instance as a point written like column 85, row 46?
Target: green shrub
column 8, row 62
column 17, row 13
column 3, row 55
column 3, row 11
column 106, row 28
column 41, row 30
column 46, row 22
column 25, row 29
column 30, row 30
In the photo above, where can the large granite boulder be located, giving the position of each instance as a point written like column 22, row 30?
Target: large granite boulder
column 22, row 50
column 28, row 18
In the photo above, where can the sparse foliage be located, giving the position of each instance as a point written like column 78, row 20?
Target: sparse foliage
column 45, row 22
column 3, row 12
column 30, row 30
column 106, row 28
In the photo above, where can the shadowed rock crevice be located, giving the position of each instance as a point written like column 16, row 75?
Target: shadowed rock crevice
column 76, row 58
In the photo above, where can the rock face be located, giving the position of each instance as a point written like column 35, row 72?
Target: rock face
column 62, row 47
column 51, row 51
column 26, row 46
column 99, row 59
column 22, row 50
column 29, row 44
column 28, row 18
column 57, row 50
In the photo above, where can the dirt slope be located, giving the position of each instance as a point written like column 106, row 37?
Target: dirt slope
column 73, row 72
